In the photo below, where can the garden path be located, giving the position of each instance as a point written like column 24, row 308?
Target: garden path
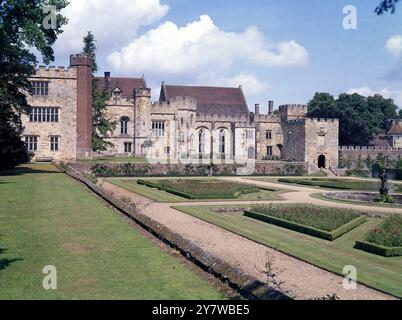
column 302, row 280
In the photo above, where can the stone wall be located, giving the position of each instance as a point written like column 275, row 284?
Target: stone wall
column 62, row 95
column 354, row 154
column 294, row 140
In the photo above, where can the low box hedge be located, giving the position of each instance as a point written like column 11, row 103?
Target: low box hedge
column 326, row 235
column 379, row 250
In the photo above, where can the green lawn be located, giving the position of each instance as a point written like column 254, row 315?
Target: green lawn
column 382, row 273
column 163, row 196
column 46, row 218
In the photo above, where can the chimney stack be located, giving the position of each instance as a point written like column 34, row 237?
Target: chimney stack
column 270, row 107
column 257, row 109
column 107, row 80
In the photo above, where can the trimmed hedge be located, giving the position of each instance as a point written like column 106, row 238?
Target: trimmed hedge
column 379, row 250
column 326, row 235
column 193, row 170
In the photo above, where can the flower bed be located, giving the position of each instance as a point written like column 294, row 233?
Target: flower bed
column 325, row 223
column 385, row 240
column 201, row 189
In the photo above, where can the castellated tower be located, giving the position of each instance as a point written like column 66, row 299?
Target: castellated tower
column 142, row 120
column 293, row 112
column 83, row 65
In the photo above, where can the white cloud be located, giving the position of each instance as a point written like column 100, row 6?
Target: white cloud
column 394, row 45
column 113, row 22
column 202, row 46
column 396, row 95
column 252, row 86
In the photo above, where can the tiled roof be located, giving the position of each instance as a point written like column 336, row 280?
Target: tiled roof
column 126, row 85
column 396, row 129
column 380, row 141
column 210, row 100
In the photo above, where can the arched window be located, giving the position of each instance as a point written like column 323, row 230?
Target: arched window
column 251, row 153
column 201, row 146
column 181, row 137
column 222, row 141
column 124, row 125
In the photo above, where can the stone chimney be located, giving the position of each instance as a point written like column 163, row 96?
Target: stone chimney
column 270, row 107
column 107, row 80
column 257, row 109
column 83, row 64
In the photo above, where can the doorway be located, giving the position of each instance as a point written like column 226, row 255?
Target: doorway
column 322, row 162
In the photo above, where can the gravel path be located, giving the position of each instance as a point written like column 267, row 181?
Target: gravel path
column 302, row 280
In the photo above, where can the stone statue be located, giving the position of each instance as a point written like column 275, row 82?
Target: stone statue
column 384, row 191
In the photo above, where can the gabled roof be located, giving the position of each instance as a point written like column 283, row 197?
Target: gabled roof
column 126, row 85
column 396, row 129
column 210, row 100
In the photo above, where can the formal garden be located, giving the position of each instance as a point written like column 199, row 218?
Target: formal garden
column 325, row 223
column 325, row 237
column 201, row 189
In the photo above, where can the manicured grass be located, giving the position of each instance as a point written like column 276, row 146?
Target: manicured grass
column 379, row 272
column 200, row 185
column 116, row 159
column 46, row 218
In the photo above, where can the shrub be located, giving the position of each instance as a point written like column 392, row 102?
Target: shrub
column 379, row 250
column 385, row 198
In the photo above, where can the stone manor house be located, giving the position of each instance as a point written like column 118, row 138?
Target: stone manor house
column 188, row 122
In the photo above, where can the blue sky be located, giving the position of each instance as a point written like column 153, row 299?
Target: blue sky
column 166, row 40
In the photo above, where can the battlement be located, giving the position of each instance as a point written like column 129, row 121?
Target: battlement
column 298, row 121
column 201, row 117
column 292, row 107
column 80, row 60
column 322, row 120
column 55, row 72
column 374, row 148
column 268, row 118
column 292, row 111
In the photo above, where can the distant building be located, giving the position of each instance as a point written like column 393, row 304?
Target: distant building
column 188, row 122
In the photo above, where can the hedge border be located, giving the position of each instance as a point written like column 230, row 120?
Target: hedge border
column 378, row 249
column 311, row 231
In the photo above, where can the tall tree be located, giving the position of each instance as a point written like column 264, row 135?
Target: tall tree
column 102, row 126
column 24, row 26
column 360, row 118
